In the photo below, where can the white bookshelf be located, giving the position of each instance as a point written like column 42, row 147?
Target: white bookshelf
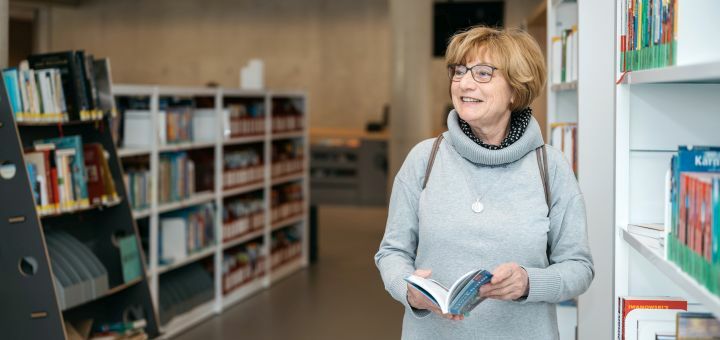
column 656, row 111
column 218, row 194
column 562, row 107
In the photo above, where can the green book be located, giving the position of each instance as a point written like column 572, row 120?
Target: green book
column 130, row 258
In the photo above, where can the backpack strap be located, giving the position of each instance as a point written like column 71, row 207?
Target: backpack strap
column 541, row 153
column 434, row 151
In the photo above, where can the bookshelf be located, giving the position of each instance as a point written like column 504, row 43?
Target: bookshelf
column 31, row 242
column 562, row 60
column 257, row 147
column 656, row 110
column 562, row 108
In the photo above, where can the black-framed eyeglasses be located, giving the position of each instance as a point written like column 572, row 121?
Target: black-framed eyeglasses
column 481, row 73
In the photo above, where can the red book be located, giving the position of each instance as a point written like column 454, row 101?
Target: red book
column 682, row 219
column 92, row 153
column 626, row 304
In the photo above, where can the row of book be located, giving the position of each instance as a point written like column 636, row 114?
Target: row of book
column 245, row 119
column 242, row 166
column 286, row 246
column 286, row 201
column 139, row 185
column 663, row 318
column 563, row 136
column 185, row 232
column 290, row 166
column 243, row 214
column 185, row 288
column 648, row 37
column 57, row 87
column 66, row 175
column 242, row 265
column 564, row 56
column 694, row 238
column 176, row 177
column 175, row 126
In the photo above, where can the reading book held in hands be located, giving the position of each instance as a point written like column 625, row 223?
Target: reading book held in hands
column 462, row 296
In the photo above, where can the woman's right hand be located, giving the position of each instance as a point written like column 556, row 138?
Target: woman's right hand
column 419, row 301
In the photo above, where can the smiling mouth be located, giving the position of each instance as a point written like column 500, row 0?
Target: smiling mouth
column 470, row 100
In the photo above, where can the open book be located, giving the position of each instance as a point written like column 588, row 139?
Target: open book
column 462, row 296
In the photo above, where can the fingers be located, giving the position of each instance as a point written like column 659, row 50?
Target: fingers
column 509, row 283
column 424, row 273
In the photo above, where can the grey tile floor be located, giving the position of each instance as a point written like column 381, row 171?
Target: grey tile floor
column 340, row 297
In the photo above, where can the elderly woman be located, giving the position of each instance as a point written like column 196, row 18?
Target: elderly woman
column 476, row 197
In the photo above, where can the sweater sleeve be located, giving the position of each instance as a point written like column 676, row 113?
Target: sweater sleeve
column 396, row 257
column 570, row 269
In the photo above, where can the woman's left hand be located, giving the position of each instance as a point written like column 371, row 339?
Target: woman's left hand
column 509, row 282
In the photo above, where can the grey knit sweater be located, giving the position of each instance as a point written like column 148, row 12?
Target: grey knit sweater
column 436, row 229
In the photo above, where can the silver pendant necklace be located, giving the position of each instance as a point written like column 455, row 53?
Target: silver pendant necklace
column 478, row 206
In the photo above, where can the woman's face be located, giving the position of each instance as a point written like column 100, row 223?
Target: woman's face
column 486, row 102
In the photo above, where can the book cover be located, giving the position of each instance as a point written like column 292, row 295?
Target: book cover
column 12, row 87
column 71, row 75
column 460, row 297
column 626, row 304
column 689, row 159
column 130, row 257
column 77, row 167
column 697, row 326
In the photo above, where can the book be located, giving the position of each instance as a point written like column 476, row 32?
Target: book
column 627, row 304
column 461, row 298
column 72, row 76
column 77, row 166
column 130, row 258
column 697, row 326
column 654, row 230
column 12, row 85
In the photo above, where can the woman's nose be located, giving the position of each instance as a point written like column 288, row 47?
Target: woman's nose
column 467, row 82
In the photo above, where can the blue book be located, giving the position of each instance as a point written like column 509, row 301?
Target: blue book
column 461, row 297
column 690, row 159
column 79, row 176
column 12, row 85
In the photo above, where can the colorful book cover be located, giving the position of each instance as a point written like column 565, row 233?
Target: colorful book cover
column 690, row 159
column 130, row 258
column 697, row 326
column 626, row 304
column 716, row 221
column 12, row 87
column 79, row 185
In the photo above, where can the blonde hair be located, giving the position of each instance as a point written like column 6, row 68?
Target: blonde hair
column 516, row 53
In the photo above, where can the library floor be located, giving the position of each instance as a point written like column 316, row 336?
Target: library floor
column 340, row 297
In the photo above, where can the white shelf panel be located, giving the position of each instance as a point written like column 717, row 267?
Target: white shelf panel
column 190, row 259
column 251, row 236
column 699, row 73
column 196, row 199
column 289, row 178
column 243, row 292
column 186, row 91
column 185, row 146
column 564, row 86
column 243, row 189
column 132, row 90
column 288, row 221
column 288, row 94
column 182, row 322
column 287, row 135
column 260, row 94
column 138, row 214
column 285, row 270
column 244, row 140
column 130, row 152
column 649, row 249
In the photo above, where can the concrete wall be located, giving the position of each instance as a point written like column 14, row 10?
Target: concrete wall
column 336, row 50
